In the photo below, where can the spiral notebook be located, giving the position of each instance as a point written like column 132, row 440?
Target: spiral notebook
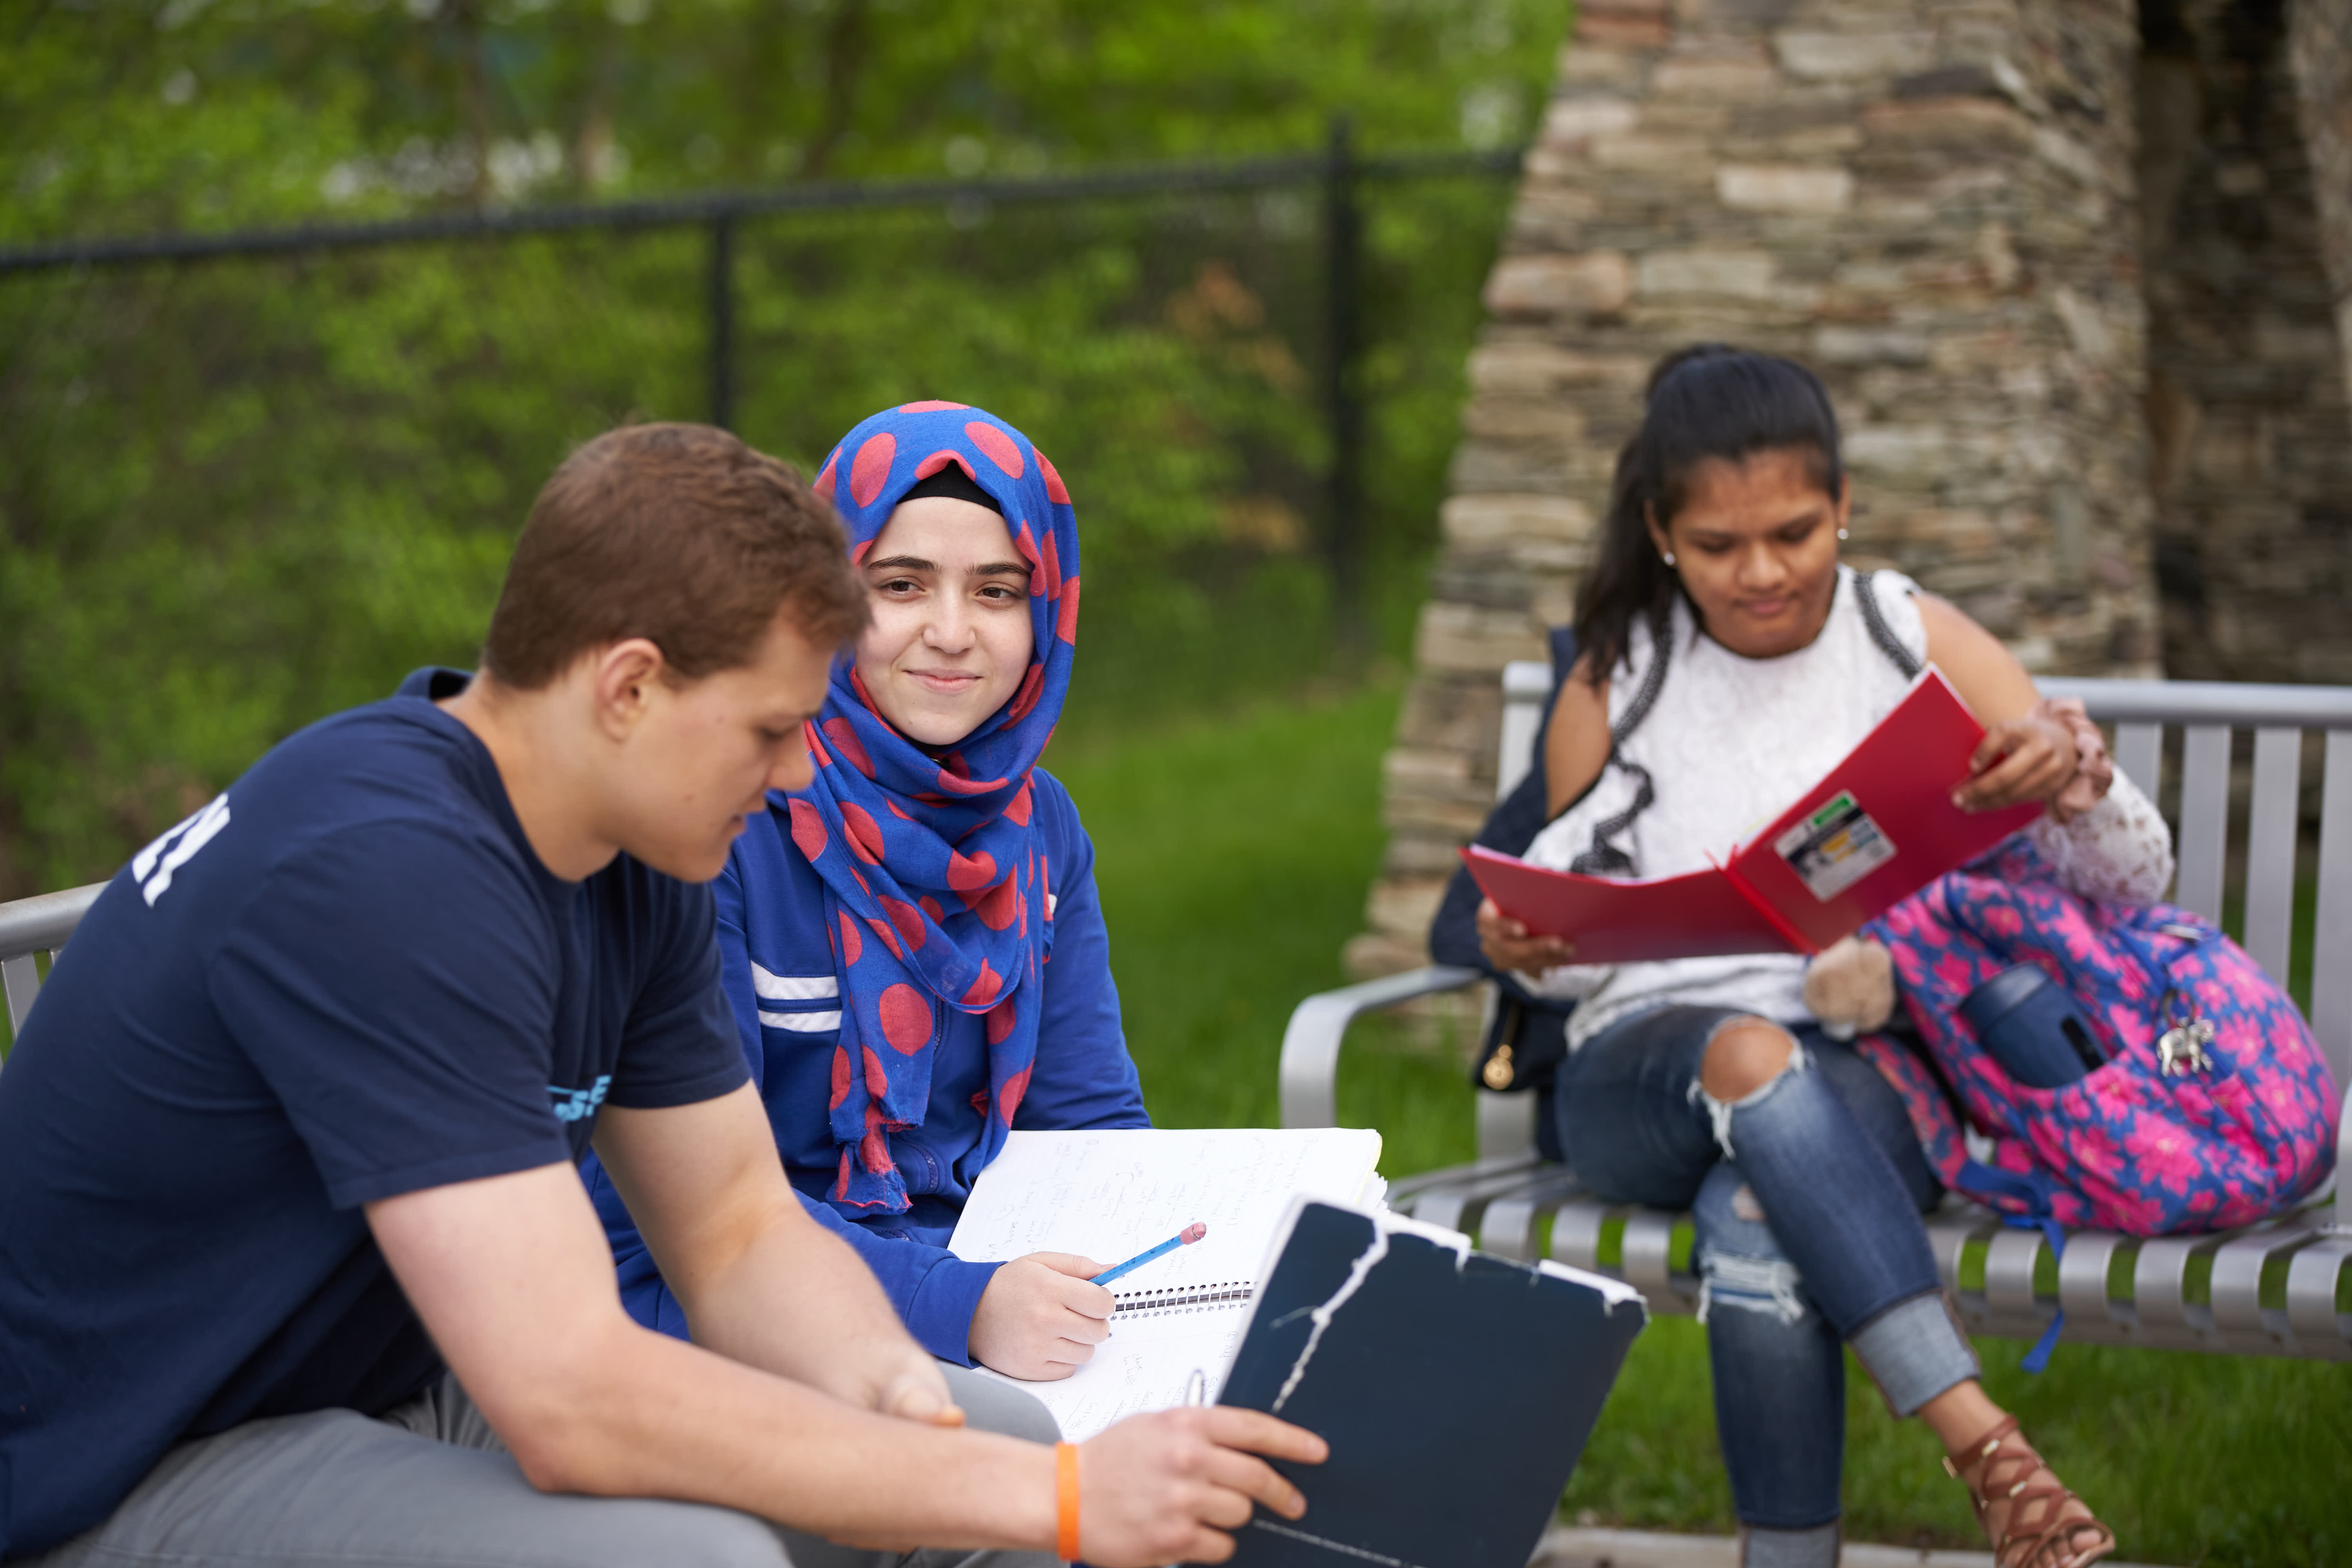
column 1109, row 1195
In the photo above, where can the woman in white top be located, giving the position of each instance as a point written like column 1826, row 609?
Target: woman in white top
column 1728, row 662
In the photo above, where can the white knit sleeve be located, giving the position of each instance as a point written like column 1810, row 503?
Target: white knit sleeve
column 2118, row 852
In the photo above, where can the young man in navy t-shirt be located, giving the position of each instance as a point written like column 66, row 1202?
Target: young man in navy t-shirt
column 294, row 1262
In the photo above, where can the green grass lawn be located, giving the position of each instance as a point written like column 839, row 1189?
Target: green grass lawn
column 1234, row 853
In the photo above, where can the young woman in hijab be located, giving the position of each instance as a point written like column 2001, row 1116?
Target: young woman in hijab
column 913, row 945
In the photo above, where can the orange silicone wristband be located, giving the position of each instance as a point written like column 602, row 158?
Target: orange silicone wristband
column 1065, row 1500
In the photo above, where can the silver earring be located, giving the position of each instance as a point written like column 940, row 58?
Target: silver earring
column 1670, row 557
column 1840, row 534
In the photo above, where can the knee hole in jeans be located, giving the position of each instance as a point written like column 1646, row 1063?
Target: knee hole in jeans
column 1744, row 1055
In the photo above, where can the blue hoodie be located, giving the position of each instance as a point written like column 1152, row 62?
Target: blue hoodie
column 779, row 978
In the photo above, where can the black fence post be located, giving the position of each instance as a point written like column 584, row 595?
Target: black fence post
column 1343, row 403
column 722, row 320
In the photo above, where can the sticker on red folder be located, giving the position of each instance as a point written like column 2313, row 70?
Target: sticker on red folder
column 1835, row 847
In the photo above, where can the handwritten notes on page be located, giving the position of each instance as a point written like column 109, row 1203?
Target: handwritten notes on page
column 1109, row 1195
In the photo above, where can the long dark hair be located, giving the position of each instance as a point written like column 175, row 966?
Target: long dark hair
column 1709, row 400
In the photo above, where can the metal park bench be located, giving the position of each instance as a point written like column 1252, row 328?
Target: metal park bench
column 2282, row 1287
column 32, row 926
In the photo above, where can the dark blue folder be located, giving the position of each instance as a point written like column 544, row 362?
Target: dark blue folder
column 1456, row 1391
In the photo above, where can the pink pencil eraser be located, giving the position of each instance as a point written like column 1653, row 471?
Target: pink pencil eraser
column 1193, row 1233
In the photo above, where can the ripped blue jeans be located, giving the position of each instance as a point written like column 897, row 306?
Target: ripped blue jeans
column 1806, row 1197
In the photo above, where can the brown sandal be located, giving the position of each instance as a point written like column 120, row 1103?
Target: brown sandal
column 2036, row 1535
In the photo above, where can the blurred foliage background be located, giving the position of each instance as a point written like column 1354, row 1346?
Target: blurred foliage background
column 239, row 494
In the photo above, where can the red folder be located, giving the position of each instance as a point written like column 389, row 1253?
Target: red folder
column 1879, row 826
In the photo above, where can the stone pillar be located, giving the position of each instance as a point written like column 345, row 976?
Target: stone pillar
column 1930, row 202
column 2320, row 47
column 2251, row 467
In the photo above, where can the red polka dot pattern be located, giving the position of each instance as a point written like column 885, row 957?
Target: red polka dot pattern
column 1025, row 697
column 853, row 946
column 865, row 834
column 845, row 741
column 937, row 460
column 907, row 918
column 1009, row 1098
column 809, row 836
column 1067, row 627
column 871, row 470
column 905, row 1018
column 999, row 448
column 1056, row 491
column 967, row 873
column 934, row 406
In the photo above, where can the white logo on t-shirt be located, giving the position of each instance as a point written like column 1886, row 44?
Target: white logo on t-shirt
column 185, row 840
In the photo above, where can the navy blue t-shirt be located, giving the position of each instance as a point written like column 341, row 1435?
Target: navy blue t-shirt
column 347, row 978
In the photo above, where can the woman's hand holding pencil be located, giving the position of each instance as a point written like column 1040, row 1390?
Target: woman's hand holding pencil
column 1040, row 1319
column 1041, row 1316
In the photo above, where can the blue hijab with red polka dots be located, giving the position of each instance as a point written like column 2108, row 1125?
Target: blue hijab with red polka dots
column 935, row 881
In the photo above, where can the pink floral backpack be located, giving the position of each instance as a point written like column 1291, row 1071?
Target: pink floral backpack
column 2242, row 1127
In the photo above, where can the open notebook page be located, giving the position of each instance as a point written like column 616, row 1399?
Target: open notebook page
column 1110, row 1195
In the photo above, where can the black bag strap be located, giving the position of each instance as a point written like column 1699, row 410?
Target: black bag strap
column 1874, row 618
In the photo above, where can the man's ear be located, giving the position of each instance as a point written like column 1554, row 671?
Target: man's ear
column 621, row 682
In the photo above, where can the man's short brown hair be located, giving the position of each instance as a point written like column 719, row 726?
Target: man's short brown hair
column 678, row 533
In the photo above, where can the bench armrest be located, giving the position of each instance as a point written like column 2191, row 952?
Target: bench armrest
column 1311, row 1045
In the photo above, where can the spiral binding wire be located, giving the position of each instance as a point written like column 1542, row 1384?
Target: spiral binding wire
column 1134, row 1303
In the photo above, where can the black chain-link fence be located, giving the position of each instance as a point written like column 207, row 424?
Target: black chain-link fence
column 247, row 479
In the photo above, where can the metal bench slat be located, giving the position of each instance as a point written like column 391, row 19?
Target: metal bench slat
column 22, row 982
column 1576, row 1235
column 1950, row 1235
column 2238, row 1274
column 2331, row 977
column 2204, row 817
column 2160, row 1282
column 1509, row 1230
column 2010, row 1259
column 2083, row 1268
column 2270, row 822
column 1649, row 1241
column 2139, row 752
column 2311, row 1292
column 1458, row 1205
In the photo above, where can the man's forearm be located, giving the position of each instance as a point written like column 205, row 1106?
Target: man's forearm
column 798, row 1300
column 666, row 1419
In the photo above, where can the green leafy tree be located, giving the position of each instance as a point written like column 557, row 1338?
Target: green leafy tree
column 237, row 495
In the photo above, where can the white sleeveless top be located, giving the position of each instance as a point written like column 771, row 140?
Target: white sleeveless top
column 1728, row 744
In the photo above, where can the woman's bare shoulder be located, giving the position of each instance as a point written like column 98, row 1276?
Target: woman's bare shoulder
column 1575, row 746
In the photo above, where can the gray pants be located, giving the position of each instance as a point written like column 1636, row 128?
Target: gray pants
column 430, row 1483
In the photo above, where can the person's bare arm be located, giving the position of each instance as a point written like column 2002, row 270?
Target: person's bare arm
column 512, row 1277
column 1576, row 748
column 2021, row 757
column 1576, row 743
column 761, row 1282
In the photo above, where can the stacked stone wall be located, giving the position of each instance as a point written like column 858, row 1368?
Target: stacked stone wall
column 2251, row 467
column 1930, row 203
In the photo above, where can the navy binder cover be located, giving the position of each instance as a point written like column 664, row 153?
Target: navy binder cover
column 1456, row 1391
